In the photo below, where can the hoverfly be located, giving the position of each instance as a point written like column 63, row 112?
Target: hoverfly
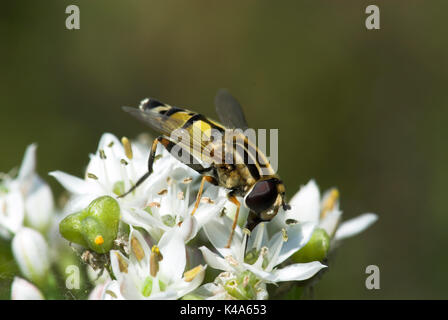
column 255, row 180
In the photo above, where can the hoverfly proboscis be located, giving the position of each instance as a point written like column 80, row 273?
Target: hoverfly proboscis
column 255, row 180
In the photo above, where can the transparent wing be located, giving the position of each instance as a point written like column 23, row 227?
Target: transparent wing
column 163, row 124
column 229, row 110
column 196, row 145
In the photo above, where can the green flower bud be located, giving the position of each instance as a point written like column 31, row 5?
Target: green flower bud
column 315, row 250
column 95, row 227
column 70, row 228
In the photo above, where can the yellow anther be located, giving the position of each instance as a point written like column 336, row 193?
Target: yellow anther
column 127, row 147
column 99, row 240
column 191, row 274
column 330, row 202
column 137, row 249
column 155, row 249
column 122, row 264
column 154, row 260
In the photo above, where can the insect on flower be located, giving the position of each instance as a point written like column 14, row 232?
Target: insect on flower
column 222, row 153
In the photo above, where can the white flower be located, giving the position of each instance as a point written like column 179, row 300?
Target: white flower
column 158, row 204
column 307, row 206
column 110, row 172
column 23, row 290
column 25, row 199
column 171, row 208
column 12, row 212
column 263, row 254
column 31, row 254
column 154, row 274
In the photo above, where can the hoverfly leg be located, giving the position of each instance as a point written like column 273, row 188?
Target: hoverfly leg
column 209, row 179
column 151, row 158
column 235, row 201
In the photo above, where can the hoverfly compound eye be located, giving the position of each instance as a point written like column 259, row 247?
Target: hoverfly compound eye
column 262, row 196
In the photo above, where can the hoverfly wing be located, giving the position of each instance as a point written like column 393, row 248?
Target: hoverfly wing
column 155, row 120
column 229, row 110
column 168, row 124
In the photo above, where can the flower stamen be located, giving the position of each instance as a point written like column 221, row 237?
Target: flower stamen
column 127, row 147
column 330, row 202
column 191, row 274
column 154, row 259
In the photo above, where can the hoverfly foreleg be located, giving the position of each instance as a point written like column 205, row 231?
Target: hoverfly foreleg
column 235, row 201
column 151, row 158
column 209, row 179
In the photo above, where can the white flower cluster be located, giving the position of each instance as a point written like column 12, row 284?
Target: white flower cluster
column 160, row 250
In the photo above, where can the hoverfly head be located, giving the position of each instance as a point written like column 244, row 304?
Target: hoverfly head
column 265, row 198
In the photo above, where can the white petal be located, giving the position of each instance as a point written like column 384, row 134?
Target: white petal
column 98, row 291
column 115, row 258
column 112, row 291
column 31, row 253
column 39, row 206
column 298, row 236
column 298, row 271
column 12, row 211
column 294, row 272
column 28, row 166
column 258, row 237
column 108, row 138
column 207, row 212
column 189, row 228
column 139, row 246
column 71, row 183
column 140, row 218
column 130, row 286
column 354, row 226
column 275, row 246
column 214, row 261
column 330, row 222
column 183, row 287
column 166, row 295
column 264, row 275
column 218, row 232
column 305, row 205
column 23, row 290
column 172, row 247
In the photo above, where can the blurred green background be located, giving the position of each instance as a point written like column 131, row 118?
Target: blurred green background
column 361, row 110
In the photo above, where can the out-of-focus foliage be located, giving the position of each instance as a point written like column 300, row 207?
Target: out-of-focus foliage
column 363, row 110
